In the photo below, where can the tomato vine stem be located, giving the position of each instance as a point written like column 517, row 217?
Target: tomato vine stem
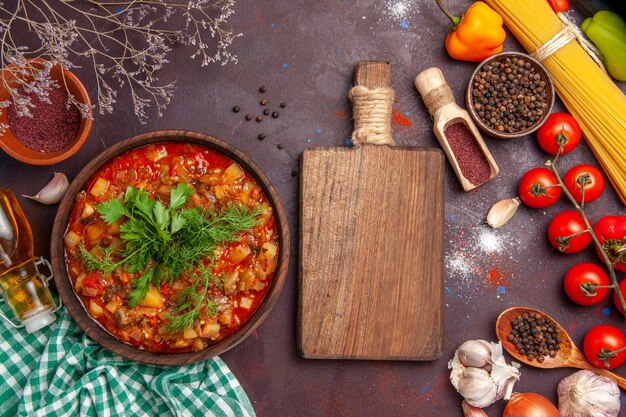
column 580, row 208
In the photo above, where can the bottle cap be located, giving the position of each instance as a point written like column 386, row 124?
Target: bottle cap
column 39, row 321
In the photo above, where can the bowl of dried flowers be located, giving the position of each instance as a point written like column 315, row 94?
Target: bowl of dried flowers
column 46, row 112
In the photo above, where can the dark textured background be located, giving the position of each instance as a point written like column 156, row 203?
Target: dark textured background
column 305, row 52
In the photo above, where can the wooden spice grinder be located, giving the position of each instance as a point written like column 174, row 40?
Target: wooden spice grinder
column 371, row 239
column 440, row 103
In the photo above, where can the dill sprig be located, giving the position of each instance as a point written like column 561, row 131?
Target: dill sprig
column 191, row 301
column 169, row 242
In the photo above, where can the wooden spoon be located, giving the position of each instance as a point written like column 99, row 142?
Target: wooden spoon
column 568, row 356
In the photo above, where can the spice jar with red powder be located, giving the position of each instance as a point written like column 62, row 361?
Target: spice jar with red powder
column 457, row 134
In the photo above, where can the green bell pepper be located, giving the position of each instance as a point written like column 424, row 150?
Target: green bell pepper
column 607, row 30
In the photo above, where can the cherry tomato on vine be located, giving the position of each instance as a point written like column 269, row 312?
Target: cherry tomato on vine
column 622, row 289
column 579, row 281
column 601, row 339
column 567, row 232
column 611, row 232
column 539, row 188
column 586, row 175
column 560, row 129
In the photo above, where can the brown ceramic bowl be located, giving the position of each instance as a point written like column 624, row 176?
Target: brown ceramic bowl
column 15, row 148
column 545, row 76
column 93, row 328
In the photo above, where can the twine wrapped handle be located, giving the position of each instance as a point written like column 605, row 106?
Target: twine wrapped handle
column 372, row 101
column 371, row 111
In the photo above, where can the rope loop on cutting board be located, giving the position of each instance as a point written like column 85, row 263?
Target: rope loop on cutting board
column 371, row 111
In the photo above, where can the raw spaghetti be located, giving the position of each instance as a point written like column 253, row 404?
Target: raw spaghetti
column 587, row 92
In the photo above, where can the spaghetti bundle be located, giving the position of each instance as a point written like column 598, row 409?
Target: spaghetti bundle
column 587, row 92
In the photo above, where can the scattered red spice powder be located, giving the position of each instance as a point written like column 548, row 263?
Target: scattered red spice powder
column 472, row 162
column 400, row 119
column 53, row 125
column 495, row 277
column 340, row 113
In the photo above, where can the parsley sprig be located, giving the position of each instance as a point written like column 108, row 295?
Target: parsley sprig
column 166, row 242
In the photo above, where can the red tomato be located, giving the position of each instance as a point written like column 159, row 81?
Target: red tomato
column 586, row 175
column 622, row 289
column 559, row 130
column 567, row 232
column 583, row 274
column 611, row 232
column 602, row 339
column 539, row 188
column 92, row 285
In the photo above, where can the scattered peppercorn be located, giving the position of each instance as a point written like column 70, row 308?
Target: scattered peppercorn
column 283, row 105
column 535, row 336
column 236, row 109
column 294, row 173
column 259, row 119
column 263, row 102
column 510, row 95
column 280, row 146
column 248, row 117
column 262, row 89
column 261, row 136
column 267, row 112
column 275, row 114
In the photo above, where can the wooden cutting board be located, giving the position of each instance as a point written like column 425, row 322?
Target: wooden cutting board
column 371, row 248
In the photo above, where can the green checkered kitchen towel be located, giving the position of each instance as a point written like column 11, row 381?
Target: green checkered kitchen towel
column 59, row 371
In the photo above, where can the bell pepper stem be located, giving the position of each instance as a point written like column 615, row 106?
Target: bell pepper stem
column 456, row 20
column 580, row 208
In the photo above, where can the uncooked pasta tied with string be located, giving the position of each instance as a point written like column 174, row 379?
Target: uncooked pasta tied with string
column 585, row 89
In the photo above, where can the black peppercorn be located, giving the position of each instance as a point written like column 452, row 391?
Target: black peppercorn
column 275, row 114
column 509, row 95
column 259, row 119
column 294, row 173
column 266, row 112
column 283, row 105
column 262, row 89
column 236, row 109
column 261, row 136
column 280, row 146
column 248, row 117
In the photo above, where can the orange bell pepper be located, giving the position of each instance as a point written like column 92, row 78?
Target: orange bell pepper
column 475, row 35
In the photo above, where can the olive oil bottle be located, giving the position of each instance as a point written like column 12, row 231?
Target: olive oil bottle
column 23, row 288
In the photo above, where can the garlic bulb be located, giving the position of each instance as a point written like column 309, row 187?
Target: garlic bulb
column 502, row 212
column 480, row 373
column 585, row 394
column 53, row 192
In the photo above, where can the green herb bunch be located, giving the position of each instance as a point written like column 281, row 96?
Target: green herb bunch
column 166, row 242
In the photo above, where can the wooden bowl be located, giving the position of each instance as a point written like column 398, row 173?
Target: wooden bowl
column 93, row 328
column 545, row 76
column 15, row 148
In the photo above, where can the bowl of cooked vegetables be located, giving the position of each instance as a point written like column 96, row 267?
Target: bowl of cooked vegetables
column 170, row 247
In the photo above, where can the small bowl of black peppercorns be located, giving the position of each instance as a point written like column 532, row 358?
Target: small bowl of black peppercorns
column 510, row 95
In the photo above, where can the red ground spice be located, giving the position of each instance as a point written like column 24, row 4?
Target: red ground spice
column 53, row 126
column 400, row 119
column 473, row 164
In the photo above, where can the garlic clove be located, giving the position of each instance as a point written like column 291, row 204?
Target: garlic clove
column 502, row 212
column 53, row 192
column 477, row 387
column 476, row 353
column 469, row 411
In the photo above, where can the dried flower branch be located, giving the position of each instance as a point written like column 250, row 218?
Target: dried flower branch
column 126, row 42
